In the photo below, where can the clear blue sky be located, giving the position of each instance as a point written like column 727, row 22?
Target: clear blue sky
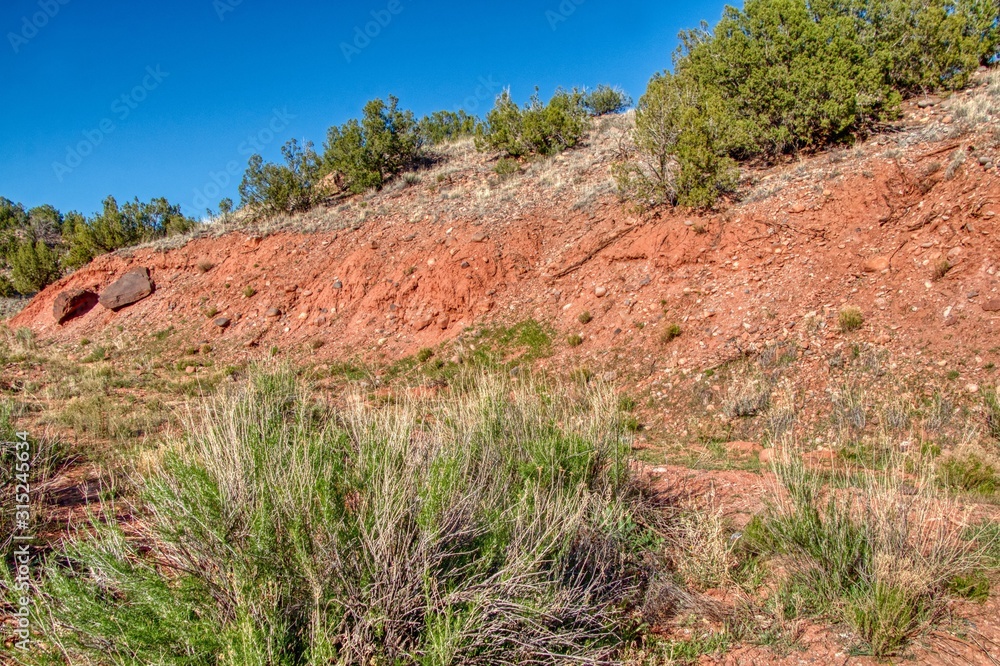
column 140, row 98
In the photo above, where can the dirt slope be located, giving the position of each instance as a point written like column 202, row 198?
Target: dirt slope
column 875, row 237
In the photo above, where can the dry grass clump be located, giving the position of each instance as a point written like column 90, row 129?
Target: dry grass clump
column 973, row 110
column 882, row 556
column 704, row 549
column 850, row 319
column 747, row 395
column 500, row 525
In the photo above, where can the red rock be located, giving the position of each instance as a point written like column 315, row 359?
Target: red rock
column 73, row 303
column 128, row 289
column 746, row 448
column 992, row 305
column 820, row 458
column 876, row 264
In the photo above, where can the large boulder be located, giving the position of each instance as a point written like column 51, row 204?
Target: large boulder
column 128, row 289
column 73, row 303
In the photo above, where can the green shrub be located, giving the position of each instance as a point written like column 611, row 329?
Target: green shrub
column 574, row 340
column 605, row 99
column 506, row 166
column 368, row 153
column 444, row 126
column 273, row 189
column 33, row 267
column 537, row 129
column 283, row 534
column 779, row 76
column 679, row 157
column 120, row 226
column 924, row 45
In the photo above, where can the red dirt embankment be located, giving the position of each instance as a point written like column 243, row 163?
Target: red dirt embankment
column 917, row 252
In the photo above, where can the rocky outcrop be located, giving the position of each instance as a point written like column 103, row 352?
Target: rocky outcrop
column 128, row 289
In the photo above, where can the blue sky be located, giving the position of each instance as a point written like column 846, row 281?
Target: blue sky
column 169, row 99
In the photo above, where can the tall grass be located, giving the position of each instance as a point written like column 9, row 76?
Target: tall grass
column 46, row 458
column 881, row 556
column 499, row 527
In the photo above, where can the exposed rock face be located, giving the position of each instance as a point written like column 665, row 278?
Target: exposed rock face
column 73, row 303
column 128, row 289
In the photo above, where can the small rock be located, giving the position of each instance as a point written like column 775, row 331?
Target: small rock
column 272, row 312
column 992, row 305
column 796, row 208
column 189, row 370
column 924, row 103
column 876, row 264
column 373, row 245
column 291, row 288
column 972, row 388
column 222, row 322
column 465, row 264
column 748, row 448
column 338, row 284
column 479, row 237
column 600, row 291
column 820, row 457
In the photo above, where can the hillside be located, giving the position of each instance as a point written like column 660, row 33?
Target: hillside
column 841, row 300
column 422, row 265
